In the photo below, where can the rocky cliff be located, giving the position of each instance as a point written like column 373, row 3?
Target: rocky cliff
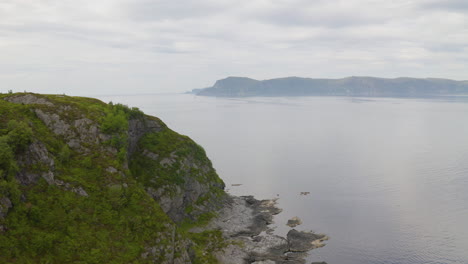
column 82, row 181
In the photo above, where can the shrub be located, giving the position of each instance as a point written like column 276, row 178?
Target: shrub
column 64, row 154
column 6, row 155
column 19, row 134
column 114, row 122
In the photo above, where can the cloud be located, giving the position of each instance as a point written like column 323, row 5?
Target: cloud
column 153, row 45
column 157, row 10
column 328, row 14
column 451, row 5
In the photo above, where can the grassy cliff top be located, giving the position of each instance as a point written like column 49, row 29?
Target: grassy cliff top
column 82, row 181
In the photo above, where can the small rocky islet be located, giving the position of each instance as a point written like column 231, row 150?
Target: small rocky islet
column 88, row 182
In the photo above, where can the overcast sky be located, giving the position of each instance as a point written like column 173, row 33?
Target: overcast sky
column 150, row 46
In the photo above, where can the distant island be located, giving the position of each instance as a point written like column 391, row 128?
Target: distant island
column 350, row 86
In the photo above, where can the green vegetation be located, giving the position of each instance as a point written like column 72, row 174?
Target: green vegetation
column 205, row 243
column 61, row 227
column 116, row 220
column 6, row 156
column 175, row 149
column 117, row 116
column 19, row 135
column 13, row 139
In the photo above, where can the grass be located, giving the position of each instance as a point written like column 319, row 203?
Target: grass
column 118, row 219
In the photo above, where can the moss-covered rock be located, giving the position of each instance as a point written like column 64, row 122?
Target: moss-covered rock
column 82, row 181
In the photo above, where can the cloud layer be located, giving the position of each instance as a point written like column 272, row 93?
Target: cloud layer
column 128, row 46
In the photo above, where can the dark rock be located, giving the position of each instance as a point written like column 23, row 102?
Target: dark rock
column 175, row 198
column 244, row 221
column 150, row 154
column 296, row 257
column 5, row 206
column 293, row 222
column 175, row 252
column 301, row 241
column 137, row 128
column 35, row 154
column 80, row 191
column 67, row 186
column 111, row 169
column 28, row 99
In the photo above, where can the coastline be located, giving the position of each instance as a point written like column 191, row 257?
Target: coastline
column 245, row 224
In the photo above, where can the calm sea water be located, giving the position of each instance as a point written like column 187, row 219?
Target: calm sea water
column 388, row 178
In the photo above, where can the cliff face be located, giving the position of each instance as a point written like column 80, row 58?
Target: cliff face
column 351, row 86
column 83, row 181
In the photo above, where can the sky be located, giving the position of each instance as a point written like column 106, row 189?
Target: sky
column 91, row 47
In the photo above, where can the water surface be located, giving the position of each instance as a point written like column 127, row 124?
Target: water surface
column 388, row 178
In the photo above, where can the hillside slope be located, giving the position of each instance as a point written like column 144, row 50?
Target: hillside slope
column 82, row 181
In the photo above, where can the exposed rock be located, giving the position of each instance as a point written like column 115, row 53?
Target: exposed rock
column 172, row 252
column 80, row 191
column 111, row 170
column 264, row 262
column 53, row 121
column 74, row 144
column 300, row 241
column 295, row 258
column 28, row 99
column 75, row 132
column 244, row 220
column 171, row 199
column 5, row 205
column 87, row 130
column 67, row 186
column 293, row 222
column 167, row 162
column 236, row 218
column 35, row 155
column 268, row 247
column 48, row 176
column 150, row 154
column 139, row 127
column 174, row 199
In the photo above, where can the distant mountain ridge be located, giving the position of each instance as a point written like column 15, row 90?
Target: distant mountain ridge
column 349, row 86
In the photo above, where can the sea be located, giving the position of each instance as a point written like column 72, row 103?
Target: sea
column 385, row 178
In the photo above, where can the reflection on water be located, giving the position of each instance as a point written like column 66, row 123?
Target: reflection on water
column 387, row 177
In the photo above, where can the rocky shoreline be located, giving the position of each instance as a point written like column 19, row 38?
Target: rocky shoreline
column 51, row 144
column 244, row 222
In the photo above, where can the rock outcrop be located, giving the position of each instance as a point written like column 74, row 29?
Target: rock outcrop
column 28, row 99
column 83, row 181
column 139, row 127
column 245, row 222
column 36, row 155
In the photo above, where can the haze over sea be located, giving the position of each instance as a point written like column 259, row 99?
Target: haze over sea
column 388, row 178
